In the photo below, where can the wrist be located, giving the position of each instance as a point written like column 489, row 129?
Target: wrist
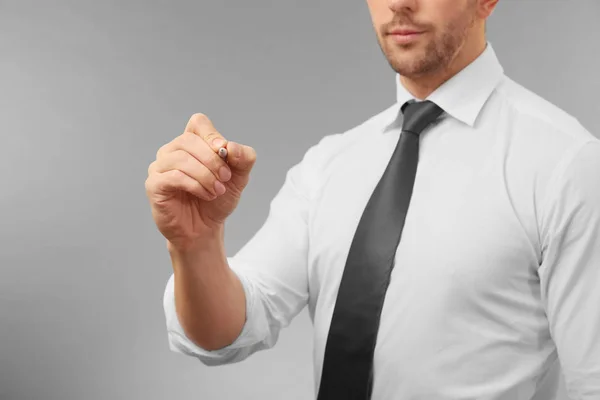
column 205, row 241
column 209, row 246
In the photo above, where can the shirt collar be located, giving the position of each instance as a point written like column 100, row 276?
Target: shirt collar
column 463, row 95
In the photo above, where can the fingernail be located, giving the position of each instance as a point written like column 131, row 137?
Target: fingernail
column 224, row 173
column 218, row 142
column 219, row 188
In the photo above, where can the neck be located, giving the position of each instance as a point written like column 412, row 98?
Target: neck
column 421, row 86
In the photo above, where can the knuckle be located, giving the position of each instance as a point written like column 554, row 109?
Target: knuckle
column 160, row 151
column 199, row 118
column 151, row 168
column 151, row 185
column 177, row 176
column 164, row 149
column 176, row 179
column 148, row 184
column 186, row 138
column 182, row 157
column 211, row 137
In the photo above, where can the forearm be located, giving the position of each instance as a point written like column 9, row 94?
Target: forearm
column 209, row 298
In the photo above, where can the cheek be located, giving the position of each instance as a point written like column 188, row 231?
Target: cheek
column 380, row 12
column 441, row 13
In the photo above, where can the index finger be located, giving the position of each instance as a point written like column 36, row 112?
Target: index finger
column 200, row 125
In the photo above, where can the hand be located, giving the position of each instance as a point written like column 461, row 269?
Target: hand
column 192, row 190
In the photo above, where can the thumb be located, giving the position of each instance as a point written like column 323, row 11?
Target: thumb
column 241, row 158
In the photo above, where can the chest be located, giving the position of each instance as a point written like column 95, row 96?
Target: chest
column 464, row 227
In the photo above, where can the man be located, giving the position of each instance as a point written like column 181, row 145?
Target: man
column 495, row 277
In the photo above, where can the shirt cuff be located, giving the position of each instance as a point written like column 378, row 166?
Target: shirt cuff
column 241, row 348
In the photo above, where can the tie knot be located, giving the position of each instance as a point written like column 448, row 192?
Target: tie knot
column 418, row 115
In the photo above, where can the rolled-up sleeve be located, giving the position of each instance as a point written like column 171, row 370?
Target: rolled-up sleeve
column 570, row 269
column 272, row 267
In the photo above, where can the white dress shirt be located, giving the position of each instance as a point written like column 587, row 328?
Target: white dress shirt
column 497, row 274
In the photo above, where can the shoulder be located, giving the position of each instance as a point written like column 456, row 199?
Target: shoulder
column 565, row 155
column 324, row 156
column 532, row 113
column 541, row 135
column 335, row 145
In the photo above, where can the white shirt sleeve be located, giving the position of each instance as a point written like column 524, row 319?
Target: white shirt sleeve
column 272, row 267
column 570, row 270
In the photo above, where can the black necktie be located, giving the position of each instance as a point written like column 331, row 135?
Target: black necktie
column 348, row 361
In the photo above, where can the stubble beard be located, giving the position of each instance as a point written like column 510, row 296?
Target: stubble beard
column 415, row 61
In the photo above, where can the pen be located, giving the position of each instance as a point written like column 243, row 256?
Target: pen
column 223, row 152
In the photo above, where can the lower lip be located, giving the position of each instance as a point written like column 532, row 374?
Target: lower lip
column 403, row 39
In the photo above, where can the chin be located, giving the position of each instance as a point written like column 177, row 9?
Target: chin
column 407, row 72
column 404, row 66
column 411, row 63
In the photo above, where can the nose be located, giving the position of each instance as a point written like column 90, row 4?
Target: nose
column 403, row 5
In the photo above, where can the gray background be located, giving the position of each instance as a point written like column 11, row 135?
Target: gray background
column 90, row 90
